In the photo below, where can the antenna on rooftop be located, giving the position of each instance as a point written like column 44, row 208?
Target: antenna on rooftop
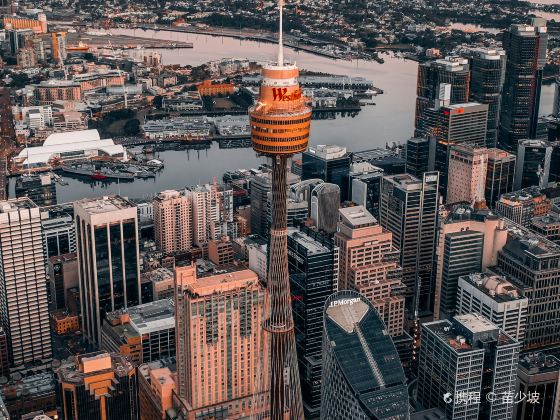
column 280, row 35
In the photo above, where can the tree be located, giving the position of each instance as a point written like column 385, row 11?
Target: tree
column 132, row 127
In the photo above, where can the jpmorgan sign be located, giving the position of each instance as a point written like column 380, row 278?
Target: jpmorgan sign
column 340, row 302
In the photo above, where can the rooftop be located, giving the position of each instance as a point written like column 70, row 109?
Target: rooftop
column 468, row 332
column 311, row 245
column 356, row 217
column 94, row 364
column 15, row 204
column 475, row 323
column 28, row 387
column 538, row 362
column 494, row 286
column 104, row 204
column 459, row 212
column 154, row 316
column 325, row 151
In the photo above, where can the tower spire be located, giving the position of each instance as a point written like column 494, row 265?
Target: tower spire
column 280, row 35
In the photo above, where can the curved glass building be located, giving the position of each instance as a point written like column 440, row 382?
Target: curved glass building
column 362, row 374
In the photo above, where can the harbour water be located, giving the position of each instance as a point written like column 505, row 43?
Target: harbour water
column 391, row 119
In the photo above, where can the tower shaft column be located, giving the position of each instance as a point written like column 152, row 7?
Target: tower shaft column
column 285, row 393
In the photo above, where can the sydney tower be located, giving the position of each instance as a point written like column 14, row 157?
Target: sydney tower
column 280, row 123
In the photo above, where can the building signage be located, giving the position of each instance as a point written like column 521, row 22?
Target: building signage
column 340, row 302
column 282, row 95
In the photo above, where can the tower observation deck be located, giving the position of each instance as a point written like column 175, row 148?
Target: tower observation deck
column 280, row 122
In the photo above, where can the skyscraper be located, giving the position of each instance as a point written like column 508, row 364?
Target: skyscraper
column 499, row 175
column 533, row 164
column 325, row 201
column 495, row 297
column 467, row 355
column 279, row 129
column 220, row 357
column 488, row 67
column 440, row 82
column 530, row 262
column 212, row 212
column 108, row 259
column 468, row 242
column 362, row 374
column 331, row 163
column 99, row 386
column 365, row 188
column 522, row 206
column 467, row 174
column 173, row 221
column 260, row 206
column 23, row 287
column 313, row 264
column 41, row 189
column 409, row 212
column 452, row 125
column 368, row 259
column 525, row 47
column 538, row 374
column 420, row 155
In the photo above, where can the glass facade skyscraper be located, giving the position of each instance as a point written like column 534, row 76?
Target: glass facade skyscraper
column 362, row 374
column 488, row 67
column 525, row 46
column 329, row 163
column 313, row 266
column 108, row 255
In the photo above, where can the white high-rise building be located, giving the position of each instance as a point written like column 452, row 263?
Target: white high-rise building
column 23, row 287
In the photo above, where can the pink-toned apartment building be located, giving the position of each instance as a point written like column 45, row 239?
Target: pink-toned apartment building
column 368, row 263
column 466, row 180
column 221, row 353
column 173, row 221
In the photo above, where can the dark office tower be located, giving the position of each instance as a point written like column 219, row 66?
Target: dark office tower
column 538, row 374
column 499, row 175
column 362, row 374
column 455, row 124
column 99, row 386
column 409, row 210
column 556, row 103
column 532, row 264
column 554, row 175
column 467, row 355
column 420, row 155
column 108, row 259
column 40, row 189
column 59, row 230
column 440, row 82
column 325, row 202
column 533, row 164
column 4, row 355
column 330, row 163
column 313, row 266
column 366, row 189
column 488, row 66
column 525, row 47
